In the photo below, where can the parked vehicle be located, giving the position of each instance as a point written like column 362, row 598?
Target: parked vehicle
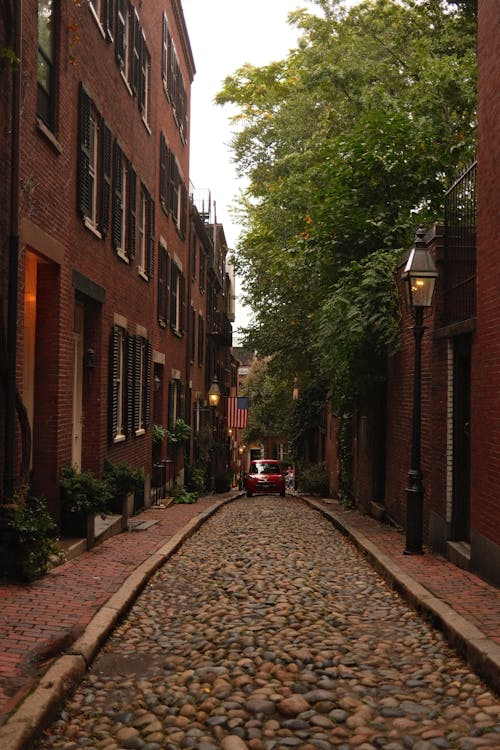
column 265, row 476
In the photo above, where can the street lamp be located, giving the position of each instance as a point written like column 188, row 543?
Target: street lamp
column 213, row 400
column 419, row 276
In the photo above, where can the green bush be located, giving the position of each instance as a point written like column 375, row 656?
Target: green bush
column 195, row 480
column 30, row 542
column 183, row 497
column 83, row 493
column 121, row 480
column 313, row 480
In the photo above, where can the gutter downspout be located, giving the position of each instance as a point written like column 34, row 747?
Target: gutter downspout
column 10, row 411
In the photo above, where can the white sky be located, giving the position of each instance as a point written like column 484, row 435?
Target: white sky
column 224, row 35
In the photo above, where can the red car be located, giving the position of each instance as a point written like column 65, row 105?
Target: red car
column 266, row 476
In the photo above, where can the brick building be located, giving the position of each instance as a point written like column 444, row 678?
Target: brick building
column 110, row 336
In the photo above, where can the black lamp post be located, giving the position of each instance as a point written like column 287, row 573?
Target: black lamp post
column 419, row 276
column 213, row 400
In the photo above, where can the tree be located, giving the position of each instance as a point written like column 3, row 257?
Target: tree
column 348, row 145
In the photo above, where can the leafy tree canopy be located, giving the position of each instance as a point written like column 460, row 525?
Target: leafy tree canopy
column 347, row 145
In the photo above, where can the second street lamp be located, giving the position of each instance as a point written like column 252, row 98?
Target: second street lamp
column 419, row 276
column 213, row 400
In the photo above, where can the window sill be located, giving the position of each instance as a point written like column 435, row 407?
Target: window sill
column 97, row 20
column 140, row 432
column 92, row 227
column 120, row 254
column 143, row 274
column 119, row 439
column 146, row 124
column 49, row 135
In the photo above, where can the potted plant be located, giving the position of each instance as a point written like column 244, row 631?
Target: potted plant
column 179, row 433
column 122, row 480
column 82, row 495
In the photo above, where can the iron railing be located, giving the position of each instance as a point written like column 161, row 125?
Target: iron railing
column 459, row 283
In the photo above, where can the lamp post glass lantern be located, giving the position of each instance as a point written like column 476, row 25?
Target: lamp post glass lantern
column 419, row 276
column 213, row 399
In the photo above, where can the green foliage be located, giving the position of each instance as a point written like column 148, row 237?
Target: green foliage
column 306, row 416
column 270, row 393
column 347, row 145
column 313, row 480
column 195, row 480
column 179, row 433
column 82, row 493
column 122, row 479
column 159, row 434
column 31, row 546
column 183, row 497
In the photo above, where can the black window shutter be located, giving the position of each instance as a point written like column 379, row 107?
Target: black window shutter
column 191, row 333
column 172, row 187
column 143, row 64
column 161, row 283
column 164, row 48
column 150, row 207
column 108, row 19
column 105, row 179
column 121, row 10
column 182, row 323
column 138, row 341
column 184, row 203
column 174, row 273
column 114, row 384
column 168, row 285
column 136, row 51
column 163, row 171
column 129, row 411
column 131, row 213
column 148, row 370
column 84, row 178
column 171, row 404
column 117, row 207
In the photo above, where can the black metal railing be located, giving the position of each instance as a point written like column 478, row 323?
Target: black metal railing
column 459, row 282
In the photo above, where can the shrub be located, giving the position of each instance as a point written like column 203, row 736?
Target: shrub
column 83, row 493
column 31, row 544
column 182, row 496
column 195, row 480
column 313, row 480
column 121, row 480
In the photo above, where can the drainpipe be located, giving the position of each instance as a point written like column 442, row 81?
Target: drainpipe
column 10, row 411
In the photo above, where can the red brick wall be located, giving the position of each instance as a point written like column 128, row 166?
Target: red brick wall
column 485, row 423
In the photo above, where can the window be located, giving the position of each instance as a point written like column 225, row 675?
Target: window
column 203, row 261
column 117, row 378
column 146, row 234
column 46, row 63
column 94, row 165
column 144, row 76
column 201, row 341
column 192, row 250
column 163, row 284
column 123, row 231
column 175, row 402
column 177, row 298
column 173, row 192
column 191, row 334
column 173, row 83
column 130, row 376
column 122, row 36
column 103, row 13
column 141, row 398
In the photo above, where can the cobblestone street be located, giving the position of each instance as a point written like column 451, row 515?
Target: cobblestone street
column 267, row 630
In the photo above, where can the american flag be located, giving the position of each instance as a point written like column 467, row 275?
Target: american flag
column 237, row 411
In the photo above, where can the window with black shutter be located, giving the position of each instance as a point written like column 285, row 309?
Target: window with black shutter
column 117, row 203
column 150, row 240
column 105, row 179
column 117, row 368
column 192, row 334
column 163, row 284
column 121, row 42
column 131, row 212
column 174, row 295
column 85, row 183
column 135, row 51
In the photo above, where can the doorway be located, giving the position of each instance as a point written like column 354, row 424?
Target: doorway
column 78, row 330
column 460, row 519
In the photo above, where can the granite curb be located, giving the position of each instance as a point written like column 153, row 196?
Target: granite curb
column 63, row 676
column 481, row 653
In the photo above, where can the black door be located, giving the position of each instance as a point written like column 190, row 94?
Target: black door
column 460, row 523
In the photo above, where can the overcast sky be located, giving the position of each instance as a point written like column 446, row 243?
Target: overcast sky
column 224, row 35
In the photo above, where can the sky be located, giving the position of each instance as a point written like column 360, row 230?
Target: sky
column 225, row 34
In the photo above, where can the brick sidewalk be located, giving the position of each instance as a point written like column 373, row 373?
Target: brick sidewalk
column 41, row 620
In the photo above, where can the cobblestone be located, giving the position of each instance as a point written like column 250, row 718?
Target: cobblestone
column 267, row 630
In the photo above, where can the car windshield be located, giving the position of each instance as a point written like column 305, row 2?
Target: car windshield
column 265, row 468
